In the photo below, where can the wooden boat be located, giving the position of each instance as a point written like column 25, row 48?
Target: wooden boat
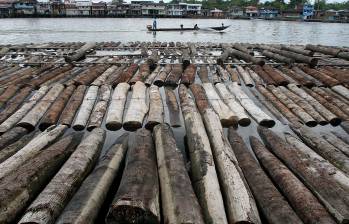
column 217, row 28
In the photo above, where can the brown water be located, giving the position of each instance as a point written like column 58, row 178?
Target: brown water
column 38, row 30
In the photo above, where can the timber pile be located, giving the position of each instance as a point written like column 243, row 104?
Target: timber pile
column 286, row 109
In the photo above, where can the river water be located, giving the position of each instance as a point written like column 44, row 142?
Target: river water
column 38, row 30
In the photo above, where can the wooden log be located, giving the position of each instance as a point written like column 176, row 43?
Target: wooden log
column 153, row 59
column 115, row 75
column 214, row 76
column 323, row 148
column 137, row 109
column 12, row 136
column 278, row 57
column 81, row 52
column 336, row 142
column 141, row 75
column 137, row 198
column 31, row 149
column 234, row 75
column 256, row 113
column 91, row 74
column 341, row 90
column 100, row 108
column 288, row 78
column 49, row 204
column 226, row 115
column 301, row 199
column 86, row 108
column 149, row 81
column 322, row 49
column 188, row 76
column 265, row 76
column 312, row 159
column 88, row 200
column 51, row 74
column 245, row 76
column 344, row 55
column 327, row 80
column 334, row 198
column 254, row 76
column 345, row 126
column 116, row 108
column 173, row 108
column 178, row 200
column 23, row 110
column 8, row 94
column 275, row 211
column 126, row 75
column 204, row 176
column 304, row 105
column 73, row 105
column 278, row 79
column 185, row 59
column 328, row 115
column 203, row 74
column 156, row 108
column 242, row 48
column 52, row 115
column 20, row 188
column 247, row 57
column 297, row 50
column 161, row 77
column 300, row 72
column 339, row 74
column 227, row 51
column 104, row 76
column 223, row 74
column 296, row 76
column 13, row 104
column 174, row 77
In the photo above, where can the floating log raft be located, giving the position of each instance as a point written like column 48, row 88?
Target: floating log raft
column 174, row 76
column 245, row 76
column 141, row 75
column 8, row 93
column 12, row 136
column 149, row 80
column 137, row 198
column 247, row 57
column 161, row 77
column 265, row 76
column 51, row 201
column 88, row 200
column 234, row 75
column 156, row 108
column 137, row 109
column 188, row 76
column 102, row 79
column 178, row 199
column 173, row 107
column 80, row 53
column 126, row 75
column 31, row 177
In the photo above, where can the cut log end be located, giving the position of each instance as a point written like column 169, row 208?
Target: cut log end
column 267, row 123
column 335, row 121
column 323, row 122
column 244, row 122
column 78, row 127
column 151, row 124
column 311, row 123
column 229, row 122
column 132, row 125
column 27, row 126
column 113, row 126
column 44, row 125
column 90, row 128
column 130, row 214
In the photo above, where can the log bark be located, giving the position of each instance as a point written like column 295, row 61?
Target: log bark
column 306, row 76
column 334, row 198
column 227, row 51
column 31, row 149
column 161, row 77
column 255, row 112
column 278, row 79
column 86, row 108
column 345, row 126
column 141, row 75
column 341, row 90
column 325, row 79
column 255, row 77
column 322, row 49
column 336, row 142
column 174, row 77
column 115, row 75
column 339, row 74
column 344, row 55
column 137, row 198
column 137, row 109
column 297, row 50
column 126, row 75
column 248, row 58
column 84, row 206
column 226, row 115
column 223, row 74
column 203, row 74
column 49, row 204
column 37, row 81
column 153, row 59
column 23, row 110
column 100, row 108
column 81, row 52
column 116, row 108
column 204, row 176
column 242, row 48
column 185, row 59
column 234, row 75
column 12, row 136
column 278, row 57
column 173, row 108
column 13, row 104
column 156, row 108
column 20, row 188
column 275, row 211
column 245, row 76
column 52, row 115
column 265, row 76
column 73, row 105
column 8, row 94
column 149, row 81
column 297, row 76
column 179, row 202
column 91, row 74
column 302, row 200
column 104, row 76
column 188, row 76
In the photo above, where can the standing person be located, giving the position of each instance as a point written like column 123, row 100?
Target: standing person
column 154, row 23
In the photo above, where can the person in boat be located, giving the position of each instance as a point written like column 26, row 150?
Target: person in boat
column 196, row 27
column 154, row 23
column 182, row 26
column 222, row 24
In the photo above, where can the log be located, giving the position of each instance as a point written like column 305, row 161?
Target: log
column 256, row 113
column 81, row 52
column 278, row 57
column 341, row 90
column 115, row 75
column 188, row 76
column 203, row 74
column 345, row 126
column 301, row 199
column 12, row 136
column 23, row 110
column 20, row 188
column 73, row 105
column 116, row 108
column 49, row 204
column 52, row 115
column 50, row 74
column 86, row 108
column 137, row 198
column 322, row 49
column 227, row 51
column 339, row 74
column 13, row 104
column 149, row 81
column 178, row 200
column 334, row 198
column 247, row 57
column 104, row 76
column 234, row 75
column 325, row 79
column 174, row 77
column 278, row 79
column 91, row 74
column 185, row 59
column 88, row 200
column 328, row 115
column 137, row 109
column 8, row 94
column 336, row 142
column 31, row 149
column 126, row 75
column 242, row 48
column 265, row 76
column 204, row 176
column 153, row 59
column 141, row 75
column 276, row 210
column 344, row 55
column 32, row 118
column 223, row 74
column 161, row 77
column 226, row 115
column 306, row 76
column 173, row 108
column 156, row 108
column 245, row 76
column 214, row 76
column 297, row 50
column 297, row 76
column 254, row 76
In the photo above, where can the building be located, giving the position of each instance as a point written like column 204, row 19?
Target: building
column 308, row 11
column 71, row 9
column 117, row 10
column 216, row 13
column 57, row 7
column 43, row 9
column 183, row 9
column 236, row 12
column 193, row 9
column 99, row 9
column 153, row 9
column 24, row 7
column 251, row 11
column 84, row 7
column 268, row 13
column 6, row 8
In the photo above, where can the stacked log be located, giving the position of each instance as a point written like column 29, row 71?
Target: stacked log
column 245, row 76
column 116, row 108
column 322, row 49
column 137, row 109
column 73, row 105
column 254, row 76
column 296, row 76
column 223, row 74
column 265, row 76
column 173, row 107
column 308, row 77
column 339, row 103
column 141, row 75
column 81, row 52
column 161, row 77
column 327, row 80
column 137, row 198
column 156, row 108
column 153, row 59
column 178, row 200
column 105, row 76
column 49, row 204
column 242, row 48
column 12, row 136
column 336, row 142
column 188, row 76
column 339, row 74
column 297, row 50
column 248, row 58
column 126, row 75
column 149, row 80
column 278, row 79
column 234, row 75
column 88, row 200
column 185, row 58
column 115, row 75
column 174, row 77
column 43, row 78
column 8, row 94
column 204, row 176
column 278, row 57
column 341, row 90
